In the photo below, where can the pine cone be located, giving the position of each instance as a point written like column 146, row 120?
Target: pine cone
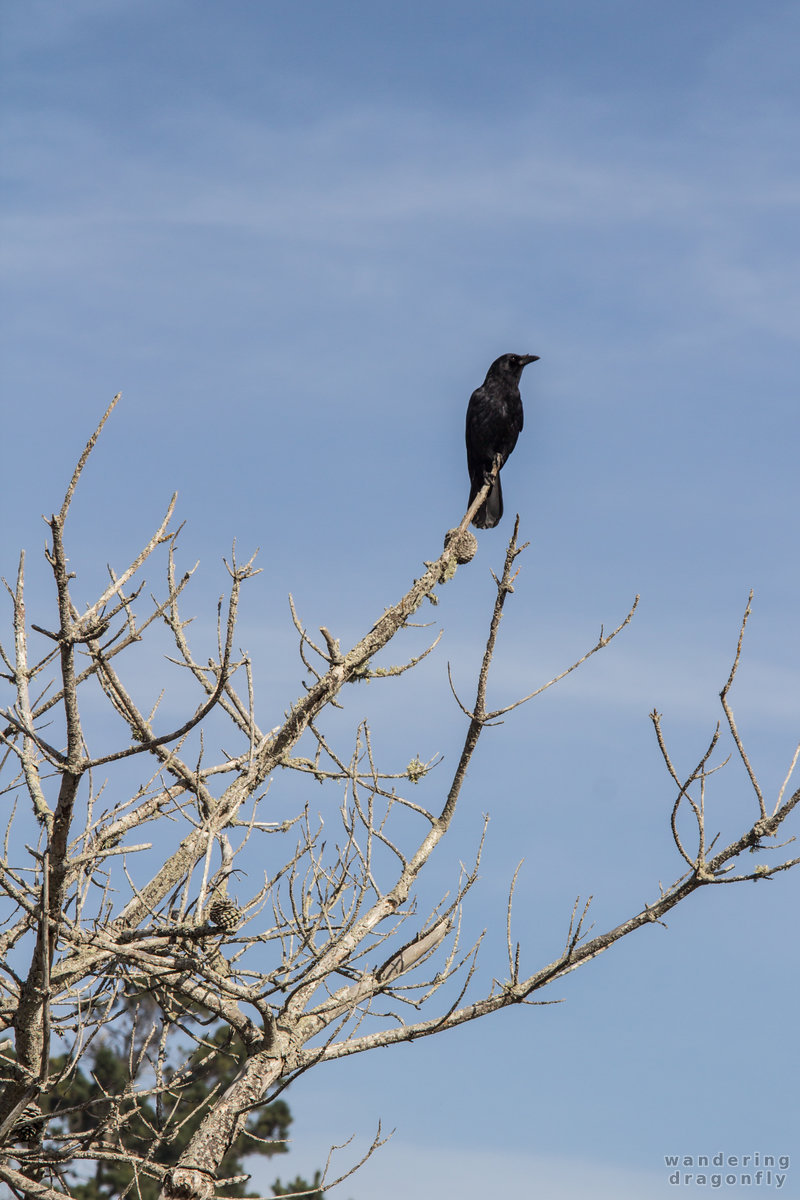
column 224, row 913
column 28, row 1126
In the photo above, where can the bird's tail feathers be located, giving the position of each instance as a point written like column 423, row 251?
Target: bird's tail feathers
column 490, row 512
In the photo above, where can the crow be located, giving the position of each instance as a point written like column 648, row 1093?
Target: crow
column 494, row 422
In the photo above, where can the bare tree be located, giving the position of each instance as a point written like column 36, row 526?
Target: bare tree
column 326, row 955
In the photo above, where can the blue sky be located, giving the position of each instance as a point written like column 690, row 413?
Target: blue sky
column 295, row 237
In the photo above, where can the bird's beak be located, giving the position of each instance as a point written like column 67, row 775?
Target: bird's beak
column 529, row 358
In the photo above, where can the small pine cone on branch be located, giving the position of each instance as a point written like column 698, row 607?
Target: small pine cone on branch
column 225, row 914
column 27, row 1126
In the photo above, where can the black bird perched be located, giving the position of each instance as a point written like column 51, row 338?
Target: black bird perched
column 494, row 422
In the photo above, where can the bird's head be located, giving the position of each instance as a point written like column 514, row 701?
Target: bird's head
column 512, row 365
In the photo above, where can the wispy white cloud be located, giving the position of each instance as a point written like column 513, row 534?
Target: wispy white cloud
column 381, row 165
column 398, row 1171
column 402, row 179
column 42, row 26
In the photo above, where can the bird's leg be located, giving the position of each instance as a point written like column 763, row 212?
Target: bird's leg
column 491, row 473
